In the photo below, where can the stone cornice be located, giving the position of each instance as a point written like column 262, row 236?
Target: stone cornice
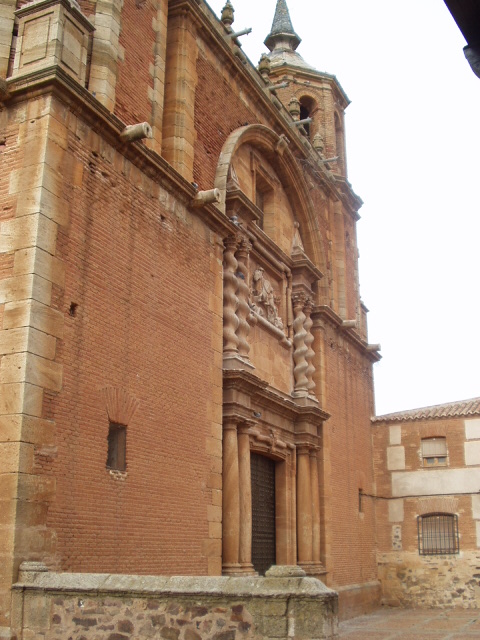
column 262, row 395
column 54, row 80
column 325, row 313
column 301, row 263
column 350, row 199
column 314, row 76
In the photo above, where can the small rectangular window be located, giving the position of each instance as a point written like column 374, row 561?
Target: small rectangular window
column 438, row 534
column 117, row 447
column 434, row 452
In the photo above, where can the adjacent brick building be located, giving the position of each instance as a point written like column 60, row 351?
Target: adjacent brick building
column 427, row 470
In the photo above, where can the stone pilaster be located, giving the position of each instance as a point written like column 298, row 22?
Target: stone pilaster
column 28, row 336
column 160, row 28
column 105, row 51
column 339, row 258
column 315, row 506
column 180, row 84
column 7, row 19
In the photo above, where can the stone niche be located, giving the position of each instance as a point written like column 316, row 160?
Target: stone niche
column 52, row 33
column 284, row 605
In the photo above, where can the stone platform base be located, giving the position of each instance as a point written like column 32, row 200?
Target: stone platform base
column 67, row 605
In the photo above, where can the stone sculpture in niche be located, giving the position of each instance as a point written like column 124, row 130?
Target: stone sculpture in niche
column 263, row 298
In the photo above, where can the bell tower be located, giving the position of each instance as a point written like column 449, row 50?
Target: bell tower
column 310, row 93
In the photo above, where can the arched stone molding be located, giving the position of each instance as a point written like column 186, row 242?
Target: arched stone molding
column 276, row 151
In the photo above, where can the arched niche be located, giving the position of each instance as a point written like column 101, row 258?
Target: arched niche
column 274, row 149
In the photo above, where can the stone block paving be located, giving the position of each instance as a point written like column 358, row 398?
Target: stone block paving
column 413, row 624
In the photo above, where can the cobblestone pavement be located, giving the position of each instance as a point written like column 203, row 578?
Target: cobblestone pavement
column 413, row 624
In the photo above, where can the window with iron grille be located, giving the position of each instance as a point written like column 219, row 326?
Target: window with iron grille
column 434, row 452
column 438, row 534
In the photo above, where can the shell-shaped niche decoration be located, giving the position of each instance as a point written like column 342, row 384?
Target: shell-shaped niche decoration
column 120, row 404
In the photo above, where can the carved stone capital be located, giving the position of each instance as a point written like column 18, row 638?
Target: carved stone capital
column 298, row 300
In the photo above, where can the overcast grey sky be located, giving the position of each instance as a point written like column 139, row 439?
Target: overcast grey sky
column 413, row 141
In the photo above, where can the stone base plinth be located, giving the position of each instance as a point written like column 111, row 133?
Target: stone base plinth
column 182, row 607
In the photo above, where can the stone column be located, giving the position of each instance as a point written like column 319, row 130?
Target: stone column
column 310, row 354
column 158, row 71
column 293, row 507
column 300, row 348
column 315, row 506
column 245, row 492
column 243, row 311
column 230, row 299
column 318, row 330
column 304, row 506
column 180, row 86
column 230, row 498
column 339, row 257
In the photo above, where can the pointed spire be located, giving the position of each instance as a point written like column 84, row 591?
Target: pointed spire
column 282, row 29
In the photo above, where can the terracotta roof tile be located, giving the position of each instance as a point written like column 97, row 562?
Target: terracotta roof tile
column 450, row 409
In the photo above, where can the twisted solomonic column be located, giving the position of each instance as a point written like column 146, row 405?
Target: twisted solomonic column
column 230, row 299
column 300, row 349
column 309, row 356
column 243, row 310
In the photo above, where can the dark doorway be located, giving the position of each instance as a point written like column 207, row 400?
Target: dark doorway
column 263, row 513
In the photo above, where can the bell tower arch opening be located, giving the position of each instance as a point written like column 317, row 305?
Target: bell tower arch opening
column 307, row 108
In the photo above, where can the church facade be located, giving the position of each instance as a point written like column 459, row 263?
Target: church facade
column 186, row 381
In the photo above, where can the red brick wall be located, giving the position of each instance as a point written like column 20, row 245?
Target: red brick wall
column 348, row 450
column 218, row 112
column 140, row 277
column 132, row 103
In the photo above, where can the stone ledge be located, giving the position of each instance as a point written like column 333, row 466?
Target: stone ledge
column 119, row 584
